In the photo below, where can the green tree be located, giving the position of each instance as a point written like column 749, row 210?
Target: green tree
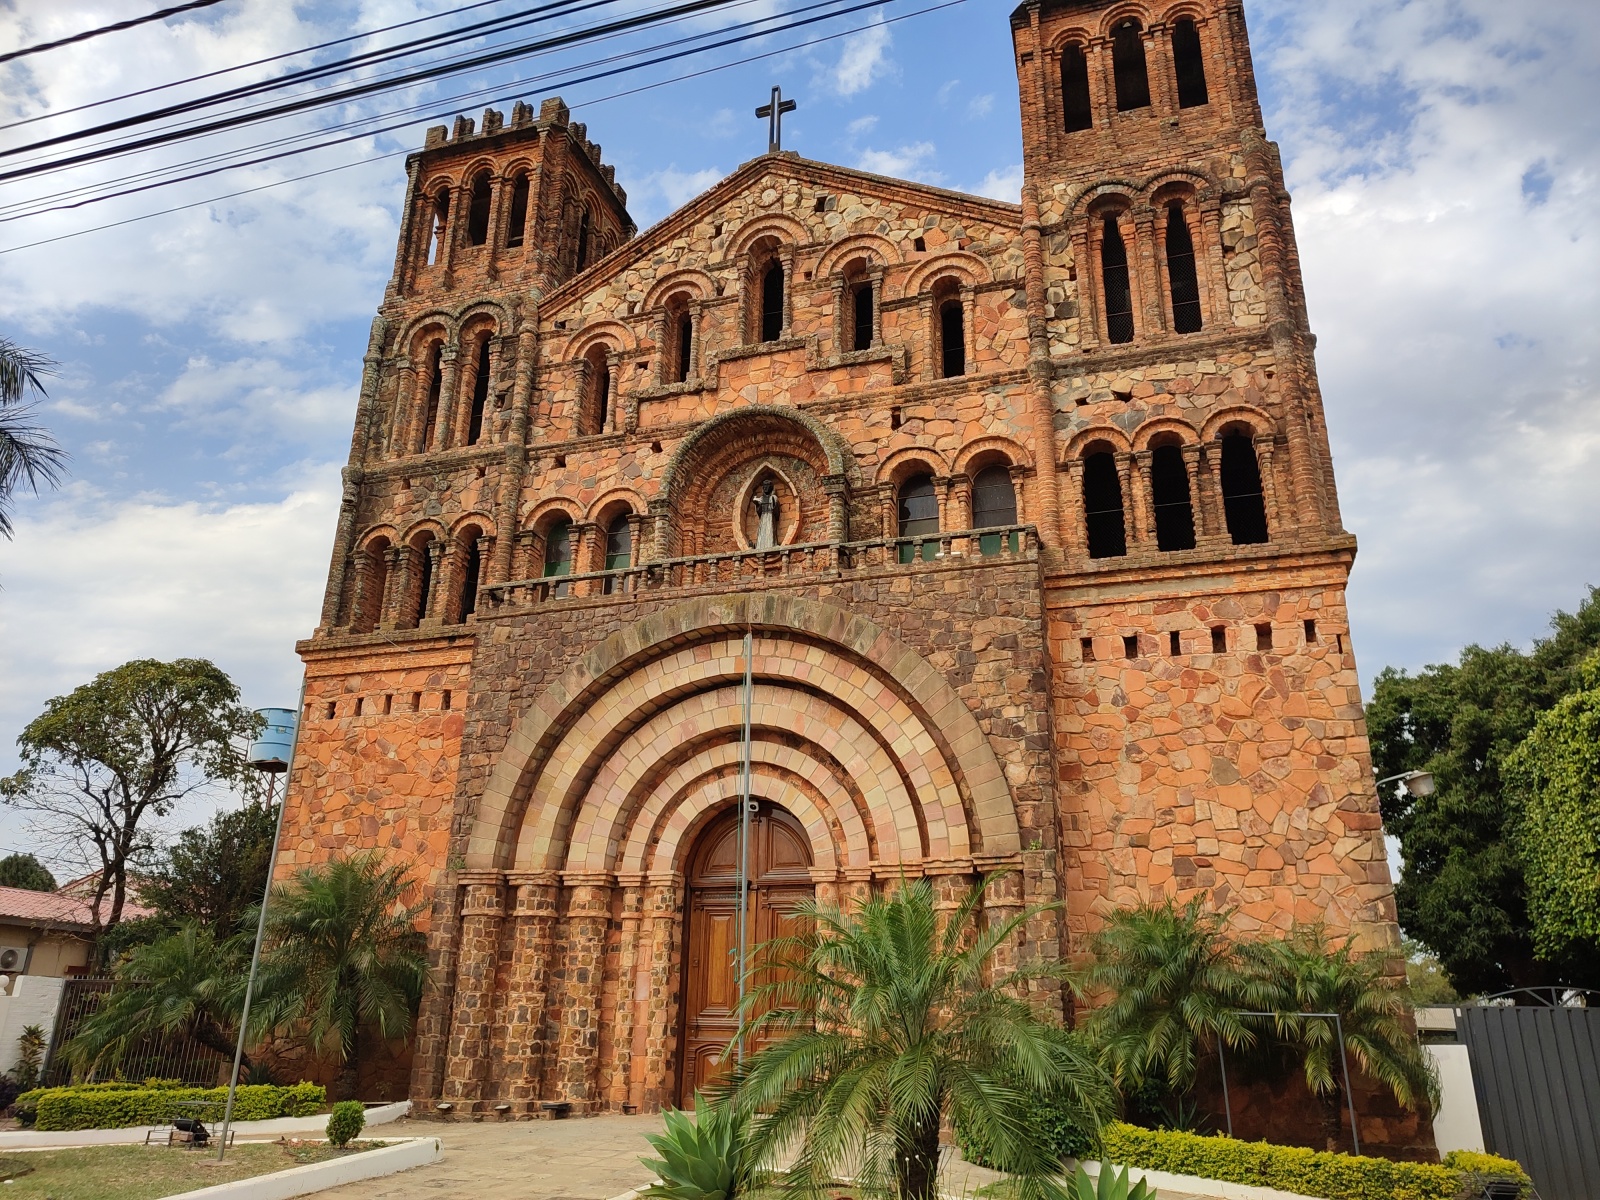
column 1555, row 777
column 344, row 955
column 99, row 763
column 1463, row 891
column 25, row 871
column 213, row 873
column 1426, row 982
column 29, row 456
column 885, row 1022
column 1174, row 981
column 1311, row 976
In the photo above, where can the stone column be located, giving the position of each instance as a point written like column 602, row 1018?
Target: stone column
column 1127, row 480
column 1146, row 270
column 837, row 488
column 449, row 384
column 961, row 512
column 1210, row 495
column 524, row 1007
column 1077, row 540
column 583, row 955
column 393, row 586
column 405, row 401
column 468, row 1057
column 1002, row 901
column 1191, row 470
column 1265, row 444
column 636, row 528
column 361, row 568
column 1143, row 507
column 627, row 1019
column 437, row 590
column 1214, row 271
column 951, row 883
column 661, row 530
column 662, row 915
column 344, row 538
column 496, row 202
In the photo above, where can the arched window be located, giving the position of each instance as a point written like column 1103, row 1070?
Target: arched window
column 430, row 414
column 1102, row 506
column 772, row 301
column 517, row 222
column 471, row 569
column 1242, row 501
column 619, row 549
column 422, row 555
column 441, row 224
column 1114, row 278
column 478, row 210
column 952, row 332
column 1169, row 496
column 1189, row 64
column 1182, row 280
column 994, row 506
column 685, row 364
column 480, row 393
column 861, row 301
column 582, row 259
column 677, row 350
column 919, row 516
column 597, row 382
column 1127, row 65
column 374, row 582
column 1075, row 111
column 558, row 554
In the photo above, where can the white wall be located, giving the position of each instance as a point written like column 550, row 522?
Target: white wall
column 1455, row 1125
column 33, row 1001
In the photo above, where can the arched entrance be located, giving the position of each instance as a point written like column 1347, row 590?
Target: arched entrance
column 780, row 878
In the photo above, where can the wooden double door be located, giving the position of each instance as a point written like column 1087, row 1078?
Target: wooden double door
column 779, row 879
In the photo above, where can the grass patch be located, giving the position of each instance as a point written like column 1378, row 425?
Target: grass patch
column 150, row 1172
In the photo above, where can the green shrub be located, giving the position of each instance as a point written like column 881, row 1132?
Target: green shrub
column 347, row 1120
column 1059, row 1126
column 1289, row 1168
column 1478, row 1169
column 119, row 1105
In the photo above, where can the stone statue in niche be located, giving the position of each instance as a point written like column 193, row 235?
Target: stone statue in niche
column 766, row 506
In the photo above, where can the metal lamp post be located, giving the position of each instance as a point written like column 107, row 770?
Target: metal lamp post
column 1418, row 783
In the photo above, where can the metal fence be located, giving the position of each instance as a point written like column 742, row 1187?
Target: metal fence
column 161, row 1058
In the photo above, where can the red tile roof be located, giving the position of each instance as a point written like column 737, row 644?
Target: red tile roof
column 54, row 909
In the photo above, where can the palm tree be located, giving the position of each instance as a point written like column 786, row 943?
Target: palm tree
column 28, row 454
column 1176, row 982
column 344, row 955
column 1310, row 976
column 185, row 984
column 886, row 1021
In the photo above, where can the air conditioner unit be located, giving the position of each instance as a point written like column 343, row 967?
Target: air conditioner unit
column 13, row 959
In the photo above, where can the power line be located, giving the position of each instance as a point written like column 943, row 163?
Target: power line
column 159, row 15
column 397, row 153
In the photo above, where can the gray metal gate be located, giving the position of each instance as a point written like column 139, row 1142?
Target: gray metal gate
column 170, row 1057
column 1536, row 1070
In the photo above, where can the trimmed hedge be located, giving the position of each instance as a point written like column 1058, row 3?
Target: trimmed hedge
column 1288, row 1168
column 119, row 1105
column 1477, row 1169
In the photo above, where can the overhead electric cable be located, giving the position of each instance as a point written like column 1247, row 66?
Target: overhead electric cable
column 160, row 15
column 398, row 153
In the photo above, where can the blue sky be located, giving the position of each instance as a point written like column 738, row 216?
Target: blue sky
column 1443, row 155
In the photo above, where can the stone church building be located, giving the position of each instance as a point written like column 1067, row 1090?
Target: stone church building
column 1028, row 508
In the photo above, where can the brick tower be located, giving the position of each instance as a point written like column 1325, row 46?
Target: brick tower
column 1028, row 511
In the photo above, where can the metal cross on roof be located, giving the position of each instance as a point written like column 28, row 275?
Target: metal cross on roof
column 773, row 112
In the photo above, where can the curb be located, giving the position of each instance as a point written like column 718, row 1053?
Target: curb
column 315, row 1177
column 243, row 1131
column 1195, row 1185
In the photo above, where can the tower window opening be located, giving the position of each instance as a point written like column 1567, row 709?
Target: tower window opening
column 1263, row 637
column 919, row 517
column 424, row 580
column 388, row 704
column 1128, row 67
column 1242, row 501
column 441, row 223
column 597, row 405
column 332, row 708
column 430, row 418
column 416, row 701
column 582, row 258
column 619, row 549
column 1102, row 507
column 471, row 569
column 1114, row 276
column 1174, row 644
column 772, row 302
column 1311, row 632
column 1182, row 280
column 558, row 555
column 478, row 210
column 361, row 705
column 994, row 506
column 1075, row 110
column 952, row 339
column 1086, row 649
column 861, row 314
column 1169, row 496
column 480, row 394
column 685, row 361
column 444, row 700
column 1130, row 645
column 1219, row 639
column 517, row 222
column 1189, row 64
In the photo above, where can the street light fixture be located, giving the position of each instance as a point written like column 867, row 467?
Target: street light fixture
column 1417, row 783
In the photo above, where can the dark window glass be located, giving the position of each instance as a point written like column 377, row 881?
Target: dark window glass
column 1114, row 274
column 952, row 339
column 919, row 516
column 424, row 579
column 478, row 211
column 772, row 302
column 441, row 223
column 1075, row 89
column 994, row 505
column 1189, row 63
column 480, row 394
column 1181, row 277
column 470, row 571
column 685, row 347
column 582, row 259
column 1242, row 500
column 516, row 224
column 1127, row 65
column 1102, row 507
column 862, row 312
column 1169, row 495
column 619, row 549
column 558, row 549
column 430, row 418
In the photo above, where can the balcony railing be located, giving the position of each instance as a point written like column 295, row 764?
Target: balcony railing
column 754, row 568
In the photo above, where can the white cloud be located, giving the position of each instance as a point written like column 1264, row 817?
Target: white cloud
column 863, row 61
column 862, row 125
column 906, row 162
column 980, row 106
column 661, row 193
column 1003, row 183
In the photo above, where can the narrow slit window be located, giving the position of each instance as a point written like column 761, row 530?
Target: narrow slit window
column 1128, row 67
column 478, row 210
column 1114, row 277
column 430, row 416
column 1075, row 110
column 441, row 223
column 1102, row 507
column 1169, row 496
column 1130, row 646
column 424, row 581
column 685, row 362
column 332, row 708
column 952, row 339
column 1174, row 644
column 361, row 705
column 919, row 517
column 444, row 700
column 470, row 571
column 1189, row 64
column 1182, row 280
column 582, row 258
column 1263, row 637
column 416, row 701
column 480, row 394
column 1242, row 501
column 1086, row 648
column 517, row 222
column 388, row 704
column 861, row 312
column 772, row 302
column 994, row 506
column 1219, row 639
column 1311, row 632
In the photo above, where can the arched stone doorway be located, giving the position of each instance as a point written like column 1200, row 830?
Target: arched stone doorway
column 780, row 878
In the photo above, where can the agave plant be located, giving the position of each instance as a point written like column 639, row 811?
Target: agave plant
column 702, row 1159
column 1109, row 1186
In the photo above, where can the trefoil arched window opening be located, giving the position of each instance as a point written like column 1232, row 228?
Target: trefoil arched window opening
column 1076, row 112
column 480, row 394
column 471, row 569
column 517, row 221
column 861, row 302
column 1242, row 501
column 952, row 338
column 1182, row 280
column 772, row 302
column 1114, row 279
column 1102, row 507
column 441, row 225
column 1169, row 497
column 430, row 415
column 619, row 549
column 558, row 554
column 919, row 517
column 1128, row 67
column 994, row 506
column 1189, row 64
column 478, row 210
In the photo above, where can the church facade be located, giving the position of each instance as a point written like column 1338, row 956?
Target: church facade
column 1027, row 510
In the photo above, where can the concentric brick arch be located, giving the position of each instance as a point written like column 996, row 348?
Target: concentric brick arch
column 876, row 716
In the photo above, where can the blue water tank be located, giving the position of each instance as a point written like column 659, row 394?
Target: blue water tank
column 271, row 751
